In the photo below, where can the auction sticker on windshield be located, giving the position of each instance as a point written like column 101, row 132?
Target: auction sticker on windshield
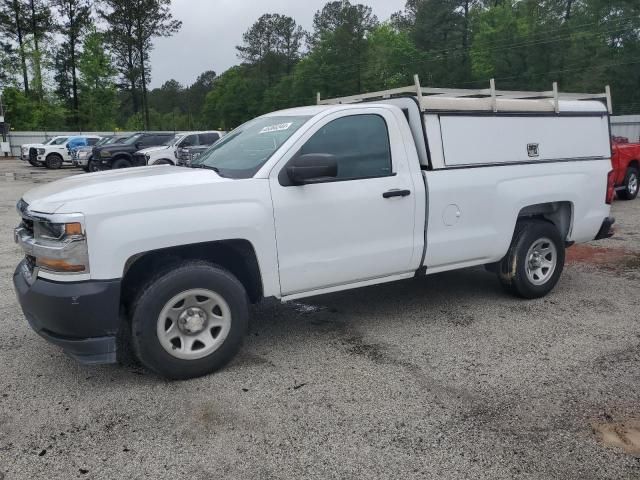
column 276, row 128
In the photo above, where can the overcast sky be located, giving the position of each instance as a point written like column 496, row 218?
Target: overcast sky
column 211, row 29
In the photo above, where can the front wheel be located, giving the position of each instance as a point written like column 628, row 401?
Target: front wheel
column 190, row 320
column 630, row 190
column 93, row 166
column 53, row 161
column 535, row 259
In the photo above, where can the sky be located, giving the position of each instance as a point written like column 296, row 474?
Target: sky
column 211, row 29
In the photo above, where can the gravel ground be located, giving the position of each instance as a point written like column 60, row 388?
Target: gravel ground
column 441, row 377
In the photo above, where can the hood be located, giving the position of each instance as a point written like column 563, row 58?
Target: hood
column 153, row 149
column 115, row 147
column 29, row 145
column 78, row 193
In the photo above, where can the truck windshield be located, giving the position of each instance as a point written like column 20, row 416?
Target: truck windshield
column 241, row 153
column 58, row 141
column 133, row 139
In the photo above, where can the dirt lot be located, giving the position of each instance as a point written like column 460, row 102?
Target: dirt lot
column 442, row 377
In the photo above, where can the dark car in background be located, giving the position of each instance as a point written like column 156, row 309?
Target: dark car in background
column 83, row 156
column 121, row 155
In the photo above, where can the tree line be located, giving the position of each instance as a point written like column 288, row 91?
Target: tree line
column 101, row 67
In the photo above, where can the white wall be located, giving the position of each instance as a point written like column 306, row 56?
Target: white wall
column 626, row 126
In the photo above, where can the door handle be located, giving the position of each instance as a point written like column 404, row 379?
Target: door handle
column 396, row 193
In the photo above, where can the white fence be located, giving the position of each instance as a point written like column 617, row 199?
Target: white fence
column 626, row 126
column 16, row 139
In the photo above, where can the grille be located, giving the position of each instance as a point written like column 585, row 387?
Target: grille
column 33, row 153
column 27, row 221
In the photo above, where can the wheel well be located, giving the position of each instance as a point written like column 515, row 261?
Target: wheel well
column 237, row 256
column 635, row 164
column 121, row 156
column 52, row 154
column 558, row 213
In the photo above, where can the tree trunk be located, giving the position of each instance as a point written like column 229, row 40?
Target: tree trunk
column 465, row 39
column 23, row 60
column 36, row 59
column 132, row 80
column 74, row 84
column 143, row 77
column 563, row 50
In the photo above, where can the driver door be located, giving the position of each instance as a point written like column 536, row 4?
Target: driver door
column 349, row 228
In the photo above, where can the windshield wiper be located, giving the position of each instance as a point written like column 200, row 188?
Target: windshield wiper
column 208, row 167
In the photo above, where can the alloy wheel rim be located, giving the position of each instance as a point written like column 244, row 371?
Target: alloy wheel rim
column 633, row 184
column 541, row 261
column 194, row 324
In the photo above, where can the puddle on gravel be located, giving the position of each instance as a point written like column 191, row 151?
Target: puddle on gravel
column 624, row 435
column 616, row 259
column 33, row 177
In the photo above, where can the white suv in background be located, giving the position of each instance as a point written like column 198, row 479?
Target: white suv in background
column 167, row 154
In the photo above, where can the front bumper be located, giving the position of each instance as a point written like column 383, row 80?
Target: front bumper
column 605, row 230
column 80, row 317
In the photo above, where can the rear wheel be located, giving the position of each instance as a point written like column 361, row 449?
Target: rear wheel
column 121, row 163
column 189, row 321
column 53, row 161
column 630, row 190
column 535, row 259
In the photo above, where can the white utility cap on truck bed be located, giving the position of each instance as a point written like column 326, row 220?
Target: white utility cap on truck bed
column 488, row 99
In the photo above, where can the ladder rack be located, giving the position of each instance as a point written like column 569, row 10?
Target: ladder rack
column 487, row 99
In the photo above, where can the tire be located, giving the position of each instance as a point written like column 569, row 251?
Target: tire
column 121, row 163
column 161, row 337
column 86, row 168
column 53, row 161
column 535, row 260
column 631, row 185
column 92, row 166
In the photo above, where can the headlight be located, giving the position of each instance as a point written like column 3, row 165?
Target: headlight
column 58, row 247
column 41, row 151
column 105, row 153
column 147, row 157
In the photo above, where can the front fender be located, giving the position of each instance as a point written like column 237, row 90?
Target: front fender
column 201, row 216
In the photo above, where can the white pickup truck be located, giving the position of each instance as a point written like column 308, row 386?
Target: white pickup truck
column 349, row 193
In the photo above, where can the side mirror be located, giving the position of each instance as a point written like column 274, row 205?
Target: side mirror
column 312, row 168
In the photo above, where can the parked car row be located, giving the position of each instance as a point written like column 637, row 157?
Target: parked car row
column 93, row 153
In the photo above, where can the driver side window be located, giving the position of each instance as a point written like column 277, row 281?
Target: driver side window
column 359, row 143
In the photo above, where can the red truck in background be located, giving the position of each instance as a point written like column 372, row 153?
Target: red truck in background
column 625, row 158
